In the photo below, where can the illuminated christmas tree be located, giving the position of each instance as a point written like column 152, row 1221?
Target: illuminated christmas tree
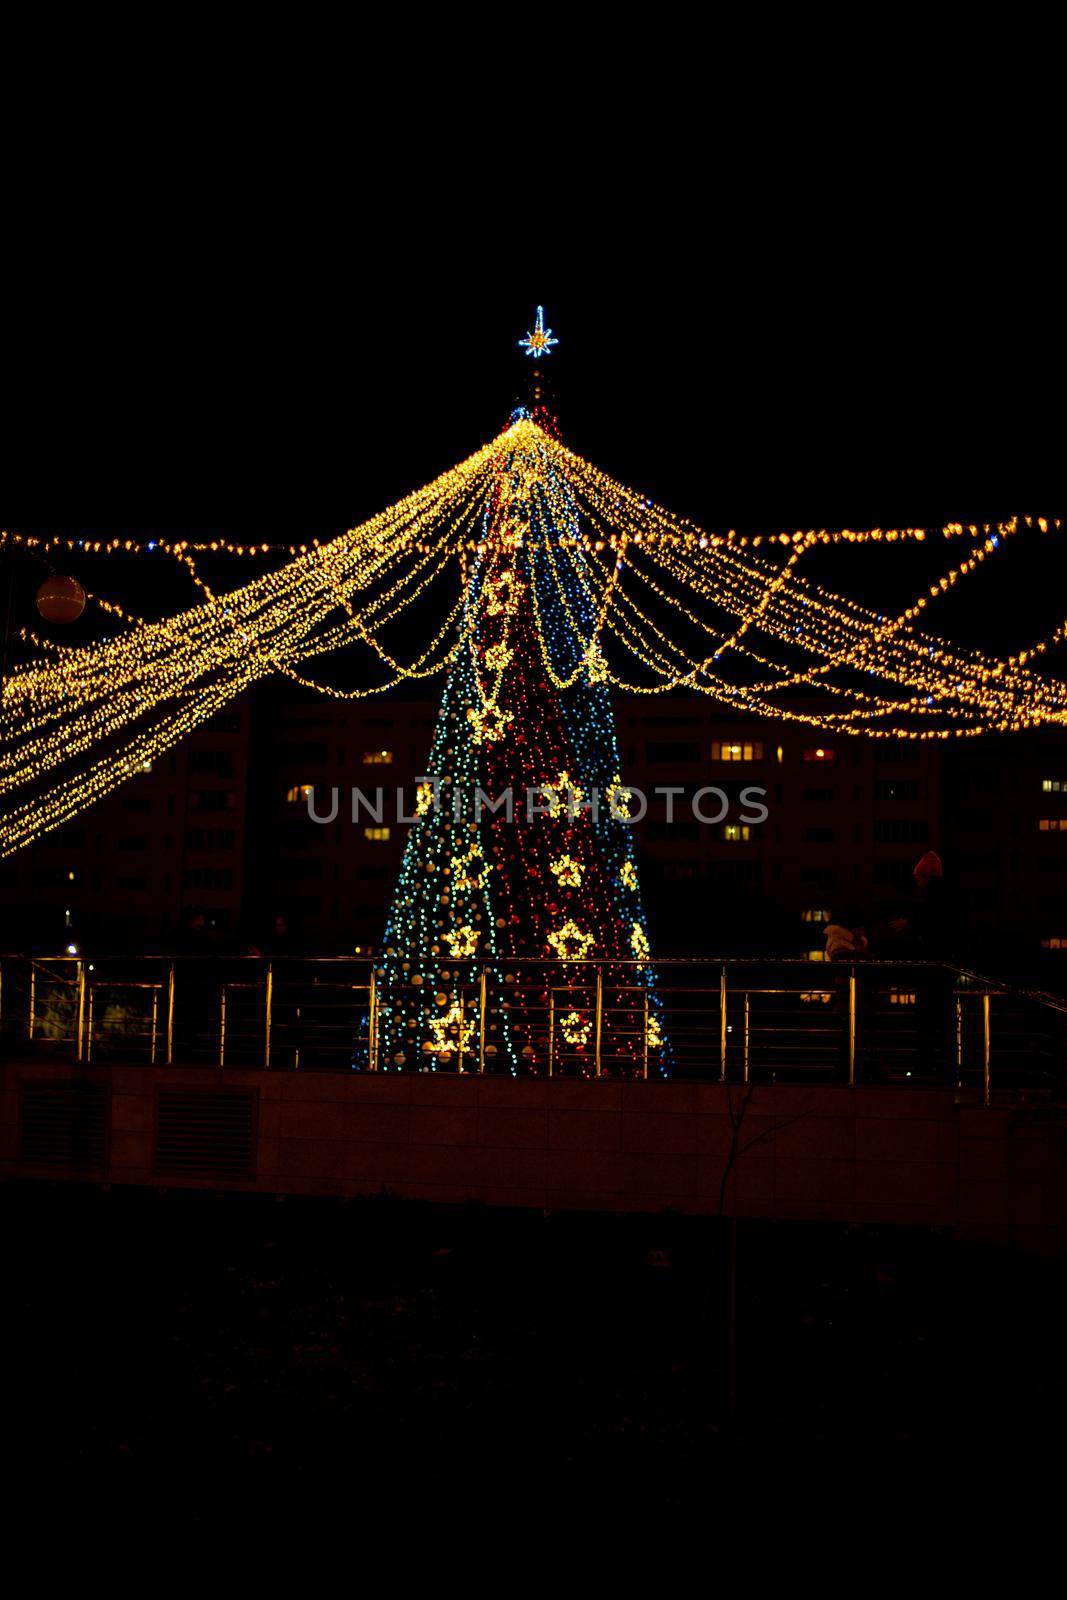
column 522, row 847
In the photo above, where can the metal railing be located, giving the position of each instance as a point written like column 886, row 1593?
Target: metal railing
column 737, row 1020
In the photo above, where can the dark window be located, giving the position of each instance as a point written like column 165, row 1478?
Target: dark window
column 674, row 750
column 734, row 871
column 219, row 762
column 207, row 878
column 671, row 830
column 890, row 754
column 819, row 835
column 299, row 754
column 901, row 831
column 63, row 839
column 47, row 877
column 896, row 789
column 301, row 867
column 209, row 839
column 299, row 834
column 975, row 819
column 214, row 800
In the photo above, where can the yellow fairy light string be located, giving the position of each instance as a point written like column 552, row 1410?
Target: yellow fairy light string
column 725, row 615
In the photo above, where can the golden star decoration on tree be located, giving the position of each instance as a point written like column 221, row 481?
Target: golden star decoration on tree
column 568, row 872
column 441, row 1027
column 498, row 656
column 562, row 796
column 462, row 875
column 619, row 798
column 570, row 943
column 628, row 875
column 576, row 1028
column 462, row 942
column 639, row 942
column 490, row 723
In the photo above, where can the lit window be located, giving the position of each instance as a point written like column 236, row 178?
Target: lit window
column 815, row 997
column 1054, row 785
column 901, row 997
column 750, row 751
column 820, row 753
column 779, row 755
column 377, row 834
column 299, row 791
column 816, row 955
column 1053, row 825
column 736, row 832
column 816, row 914
column 1058, row 941
column 377, row 758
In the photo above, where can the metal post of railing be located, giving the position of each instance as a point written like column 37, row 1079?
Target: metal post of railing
column 170, row 1015
column 373, row 1045
column 483, row 991
column 268, row 1005
column 599, row 1015
column 959, row 1043
column 155, row 1024
column 722, row 1025
column 744, row 1056
column 551, row 1029
column 222, row 1028
column 852, row 1028
column 462, row 1026
column 33, row 998
column 986, row 1085
column 81, row 1007
column 646, row 1033
column 89, row 1028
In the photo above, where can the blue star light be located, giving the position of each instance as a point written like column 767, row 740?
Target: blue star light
column 540, row 341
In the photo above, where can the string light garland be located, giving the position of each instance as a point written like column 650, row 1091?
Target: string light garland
column 539, row 550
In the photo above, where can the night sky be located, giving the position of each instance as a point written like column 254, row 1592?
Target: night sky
column 176, row 379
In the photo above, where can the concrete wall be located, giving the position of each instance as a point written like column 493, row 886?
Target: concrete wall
column 897, row 1155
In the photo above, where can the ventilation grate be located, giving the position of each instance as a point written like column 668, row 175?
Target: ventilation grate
column 64, row 1124
column 206, row 1135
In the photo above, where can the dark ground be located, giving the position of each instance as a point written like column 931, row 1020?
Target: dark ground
column 222, row 1341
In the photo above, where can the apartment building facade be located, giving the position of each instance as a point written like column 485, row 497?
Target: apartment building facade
column 217, row 843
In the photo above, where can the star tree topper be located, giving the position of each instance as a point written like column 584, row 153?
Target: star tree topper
column 540, row 341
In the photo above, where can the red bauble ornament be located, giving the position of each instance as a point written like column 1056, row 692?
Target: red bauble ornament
column 61, row 600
